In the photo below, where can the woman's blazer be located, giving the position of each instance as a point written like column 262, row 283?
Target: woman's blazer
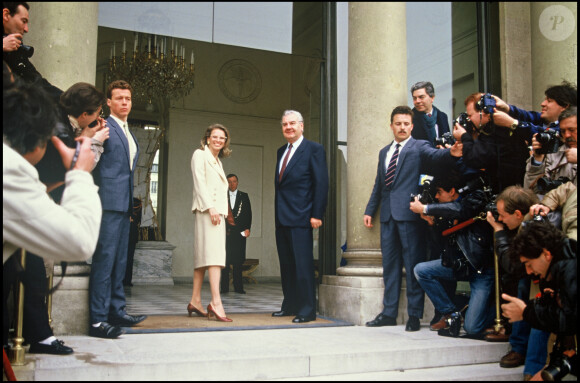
column 210, row 185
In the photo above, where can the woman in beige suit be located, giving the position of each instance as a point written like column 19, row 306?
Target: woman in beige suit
column 210, row 207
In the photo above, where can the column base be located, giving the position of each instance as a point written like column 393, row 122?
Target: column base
column 357, row 299
column 70, row 303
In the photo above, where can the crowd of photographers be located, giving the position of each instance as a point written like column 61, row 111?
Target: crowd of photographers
column 512, row 194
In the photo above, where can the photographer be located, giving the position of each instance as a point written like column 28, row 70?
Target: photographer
column 545, row 169
column 467, row 256
column 558, row 98
column 15, row 52
column 563, row 198
column 80, row 107
column 492, row 145
column 528, row 346
column 548, row 254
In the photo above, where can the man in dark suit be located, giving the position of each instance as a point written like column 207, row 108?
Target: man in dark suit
column 301, row 184
column 428, row 121
column 114, row 176
column 236, row 234
column 402, row 237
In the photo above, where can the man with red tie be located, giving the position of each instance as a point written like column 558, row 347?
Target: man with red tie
column 301, row 184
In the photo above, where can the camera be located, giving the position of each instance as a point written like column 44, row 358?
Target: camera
column 454, row 324
column 425, row 194
column 545, row 184
column 446, row 138
column 560, row 366
column 463, row 120
column 50, row 167
column 26, row 50
column 486, row 103
column 550, row 141
column 491, row 206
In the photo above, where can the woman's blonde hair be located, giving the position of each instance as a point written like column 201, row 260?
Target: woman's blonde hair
column 225, row 151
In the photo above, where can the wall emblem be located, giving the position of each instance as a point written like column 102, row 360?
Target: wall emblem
column 240, row 81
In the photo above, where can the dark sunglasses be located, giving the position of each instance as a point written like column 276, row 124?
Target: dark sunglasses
column 96, row 122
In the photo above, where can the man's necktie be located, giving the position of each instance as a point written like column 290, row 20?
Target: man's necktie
column 131, row 142
column 285, row 162
column 390, row 177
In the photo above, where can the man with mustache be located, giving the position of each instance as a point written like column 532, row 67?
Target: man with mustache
column 401, row 230
column 554, row 166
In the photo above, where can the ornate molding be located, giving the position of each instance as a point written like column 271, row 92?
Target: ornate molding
column 240, row 81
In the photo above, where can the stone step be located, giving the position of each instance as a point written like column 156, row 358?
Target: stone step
column 300, row 353
column 472, row 372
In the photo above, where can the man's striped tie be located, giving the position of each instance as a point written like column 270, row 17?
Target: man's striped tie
column 390, row 177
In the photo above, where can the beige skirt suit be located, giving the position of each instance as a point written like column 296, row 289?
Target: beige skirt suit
column 210, row 189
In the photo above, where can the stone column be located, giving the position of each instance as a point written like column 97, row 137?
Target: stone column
column 554, row 46
column 377, row 81
column 64, row 37
column 516, row 54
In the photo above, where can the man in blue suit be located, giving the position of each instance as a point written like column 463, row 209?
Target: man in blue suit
column 301, row 184
column 402, row 237
column 114, row 176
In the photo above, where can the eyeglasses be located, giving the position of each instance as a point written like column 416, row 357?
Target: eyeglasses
column 218, row 138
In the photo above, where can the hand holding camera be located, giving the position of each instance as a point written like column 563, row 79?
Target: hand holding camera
column 12, row 42
column 572, row 155
column 85, row 158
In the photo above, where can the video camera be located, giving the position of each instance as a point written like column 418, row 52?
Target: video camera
column 446, row 138
column 550, row 141
column 480, row 184
column 426, row 195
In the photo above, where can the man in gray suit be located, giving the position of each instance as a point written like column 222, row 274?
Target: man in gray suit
column 114, row 176
column 401, row 230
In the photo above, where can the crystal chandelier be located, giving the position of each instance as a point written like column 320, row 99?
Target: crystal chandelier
column 156, row 69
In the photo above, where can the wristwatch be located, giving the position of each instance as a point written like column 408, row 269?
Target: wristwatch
column 515, row 124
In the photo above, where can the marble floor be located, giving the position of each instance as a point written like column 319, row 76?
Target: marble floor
column 156, row 300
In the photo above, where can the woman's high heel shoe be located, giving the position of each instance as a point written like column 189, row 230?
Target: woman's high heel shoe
column 191, row 309
column 211, row 311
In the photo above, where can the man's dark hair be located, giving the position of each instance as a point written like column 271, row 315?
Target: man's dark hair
column 534, row 237
column 82, row 97
column 568, row 112
column 565, row 94
column 28, row 116
column 424, row 85
column 517, row 198
column 231, row 175
column 447, row 182
column 12, row 7
column 118, row 84
column 401, row 109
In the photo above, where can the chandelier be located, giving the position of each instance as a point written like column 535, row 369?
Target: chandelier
column 156, row 69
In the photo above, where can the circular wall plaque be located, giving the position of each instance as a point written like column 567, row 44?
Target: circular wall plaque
column 240, row 81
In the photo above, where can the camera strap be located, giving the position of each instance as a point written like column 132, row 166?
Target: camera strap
column 461, row 225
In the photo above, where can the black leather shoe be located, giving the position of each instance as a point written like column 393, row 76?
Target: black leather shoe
column 283, row 313
column 301, row 319
column 413, row 324
column 127, row 320
column 240, row 291
column 105, row 330
column 57, row 347
column 382, row 320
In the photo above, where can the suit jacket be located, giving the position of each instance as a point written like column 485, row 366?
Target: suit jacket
column 395, row 201
column 210, row 184
column 113, row 173
column 419, row 131
column 302, row 192
column 235, row 242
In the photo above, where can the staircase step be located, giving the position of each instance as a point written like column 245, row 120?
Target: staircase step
column 266, row 354
column 472, row 372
